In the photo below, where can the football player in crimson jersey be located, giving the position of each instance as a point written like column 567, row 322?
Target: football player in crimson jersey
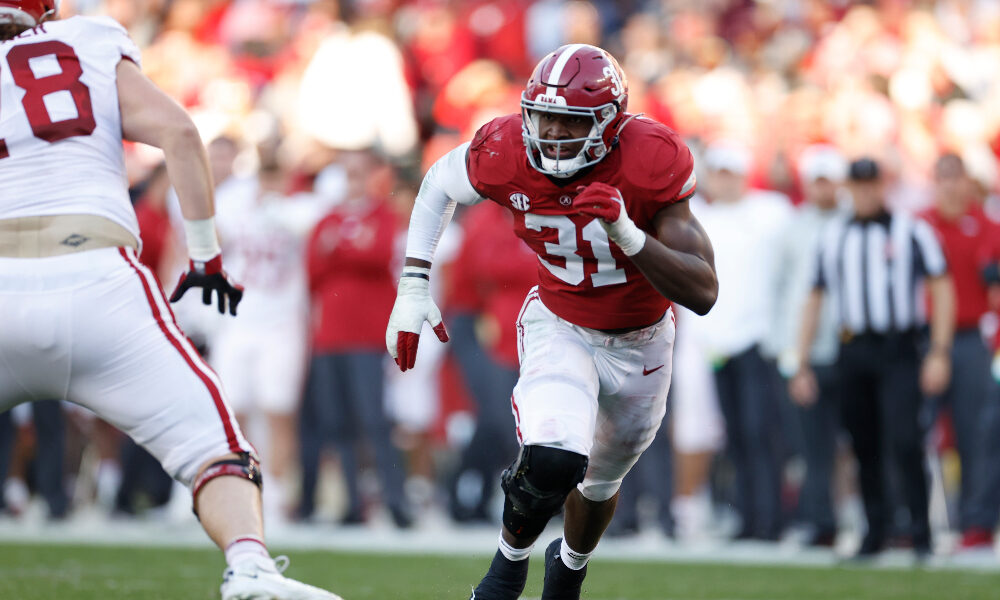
column 601, row 196
column 83, row 318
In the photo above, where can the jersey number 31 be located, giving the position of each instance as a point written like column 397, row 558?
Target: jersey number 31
column 37, row 88
column 608, row 271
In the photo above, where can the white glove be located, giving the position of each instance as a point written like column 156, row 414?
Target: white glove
column 413, row 306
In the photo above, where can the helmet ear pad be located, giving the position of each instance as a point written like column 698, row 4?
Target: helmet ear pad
column 610, row 133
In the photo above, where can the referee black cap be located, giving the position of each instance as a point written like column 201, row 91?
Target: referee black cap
column 863, row 169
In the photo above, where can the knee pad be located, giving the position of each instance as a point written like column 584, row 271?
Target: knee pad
column 536, row 485
column 246, row 466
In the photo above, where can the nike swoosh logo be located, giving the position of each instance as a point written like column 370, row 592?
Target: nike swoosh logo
column 646, row 371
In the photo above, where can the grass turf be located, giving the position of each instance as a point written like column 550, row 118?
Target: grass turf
column 43, row 572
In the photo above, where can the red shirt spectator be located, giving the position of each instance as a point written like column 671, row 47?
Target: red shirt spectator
column 499, row 28
column 968, row 244
column 441, row 45
column 154, row 226
column 350, row 268
column 154, row 221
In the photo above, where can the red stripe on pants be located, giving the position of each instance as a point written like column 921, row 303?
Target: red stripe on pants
column 517, row 418
column 220, row 406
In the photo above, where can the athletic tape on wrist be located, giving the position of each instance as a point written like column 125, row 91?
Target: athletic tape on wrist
column 630, row 238
column 202, row 241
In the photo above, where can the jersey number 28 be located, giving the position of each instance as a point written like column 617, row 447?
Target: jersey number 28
column 37, row 88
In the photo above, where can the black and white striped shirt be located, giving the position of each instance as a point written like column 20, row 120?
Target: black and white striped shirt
column 874, row 269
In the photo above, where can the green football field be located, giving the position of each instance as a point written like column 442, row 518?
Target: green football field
column 47, row 572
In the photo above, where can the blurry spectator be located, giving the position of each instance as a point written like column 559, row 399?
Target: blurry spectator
column 745, row 227
column 438, row 45
column 874, row 265
column 261, row 357
column 49, row 445
column 349, row 262
column 499, row 27
column 154, row 219
column 490, row 277
column 415, row 402
column 552, row 23
column 361, row 101
column 970, row 244
column 822, row 170
column 697, row 432
column 479, row 92
column 144, row 484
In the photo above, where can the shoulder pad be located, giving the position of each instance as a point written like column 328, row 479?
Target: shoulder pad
column 495, row 151
column 109, row 32
column 104, row 22
column 654, row 156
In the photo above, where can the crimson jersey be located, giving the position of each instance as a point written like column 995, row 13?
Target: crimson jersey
column 584, row 278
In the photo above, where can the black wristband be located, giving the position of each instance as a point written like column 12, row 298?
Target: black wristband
column 420, row 275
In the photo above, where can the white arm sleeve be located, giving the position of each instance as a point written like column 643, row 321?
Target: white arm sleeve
column 445, row 184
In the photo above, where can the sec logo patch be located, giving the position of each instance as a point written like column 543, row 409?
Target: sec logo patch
column 520, row 201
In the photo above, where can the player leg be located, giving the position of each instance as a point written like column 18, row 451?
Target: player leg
column 630, row 415
column 134, row 368
column 555, row 411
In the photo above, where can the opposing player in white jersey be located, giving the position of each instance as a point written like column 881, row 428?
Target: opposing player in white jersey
column 82, row 318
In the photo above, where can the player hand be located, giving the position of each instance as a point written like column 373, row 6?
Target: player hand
column 210, row 277
column 605, row 203
column 599, row 200
column 413, row 306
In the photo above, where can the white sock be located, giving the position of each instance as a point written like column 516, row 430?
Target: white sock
column 245, row 547
column 514, row 554
column 572, row 559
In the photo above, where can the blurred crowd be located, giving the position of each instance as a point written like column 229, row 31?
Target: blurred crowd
column 321, row 116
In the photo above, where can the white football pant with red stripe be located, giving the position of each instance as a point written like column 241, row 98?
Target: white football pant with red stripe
column 589, row 392
column 94, row 328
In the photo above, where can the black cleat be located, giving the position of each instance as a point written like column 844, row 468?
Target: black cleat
column 504, row 581
column 561, row 582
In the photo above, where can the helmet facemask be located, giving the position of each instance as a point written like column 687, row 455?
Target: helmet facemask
column 594, row 148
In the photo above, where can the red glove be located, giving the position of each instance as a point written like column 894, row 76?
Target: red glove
column 599, row 200
column 210, row 277
column 605, row 203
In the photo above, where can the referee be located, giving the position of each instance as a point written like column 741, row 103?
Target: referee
column 875, row 266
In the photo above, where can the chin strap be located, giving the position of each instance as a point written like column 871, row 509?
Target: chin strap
column 245, row 467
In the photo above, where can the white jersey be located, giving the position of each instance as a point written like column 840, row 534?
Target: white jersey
column 60, row 124
column 263, row 239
